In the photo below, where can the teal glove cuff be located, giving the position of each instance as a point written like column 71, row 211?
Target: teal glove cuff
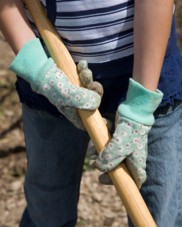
column 32, row 63
column 140, row 103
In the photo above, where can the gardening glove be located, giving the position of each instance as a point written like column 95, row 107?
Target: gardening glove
column 129, row 142
column 91, row 150
column 45, row 78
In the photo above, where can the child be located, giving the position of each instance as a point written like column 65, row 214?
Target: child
column 100, row 32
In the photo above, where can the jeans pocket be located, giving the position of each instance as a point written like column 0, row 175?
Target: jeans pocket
column 34, row 111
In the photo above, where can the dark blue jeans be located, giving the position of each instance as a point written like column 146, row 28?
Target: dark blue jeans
column 162, row 190
column 56, row 150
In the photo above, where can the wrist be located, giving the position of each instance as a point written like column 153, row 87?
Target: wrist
column 140, row 103
column 32, row 63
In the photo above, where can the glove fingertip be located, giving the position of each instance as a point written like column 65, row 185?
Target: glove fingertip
column 91, row 151
column 96, row 87
column 82, row 65
column 108, row 123
column 86, row 77
column 92, row 164
column 105, row 179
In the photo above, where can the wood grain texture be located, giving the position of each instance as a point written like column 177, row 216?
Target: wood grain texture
column 92, row 120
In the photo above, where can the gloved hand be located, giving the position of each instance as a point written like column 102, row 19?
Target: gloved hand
column 45, row 78
column 129, row 142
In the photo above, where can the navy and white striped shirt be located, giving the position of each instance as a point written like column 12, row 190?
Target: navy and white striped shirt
column 94, row 30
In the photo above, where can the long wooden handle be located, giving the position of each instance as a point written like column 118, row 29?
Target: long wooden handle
column 92, row 120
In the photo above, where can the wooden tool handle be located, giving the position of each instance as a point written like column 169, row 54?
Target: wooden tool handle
column 92, row 120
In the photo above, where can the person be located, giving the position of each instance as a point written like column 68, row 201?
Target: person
column 131, row 49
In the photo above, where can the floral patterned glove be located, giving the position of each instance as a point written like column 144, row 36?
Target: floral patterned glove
column 33, row 65
column 129, row 142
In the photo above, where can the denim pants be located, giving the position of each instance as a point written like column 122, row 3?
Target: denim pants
column 56, row 150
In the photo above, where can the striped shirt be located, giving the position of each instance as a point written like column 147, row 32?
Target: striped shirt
column 94, row 30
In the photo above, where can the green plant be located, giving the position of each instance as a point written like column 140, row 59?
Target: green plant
column 86, row 166
column 3, row 84
column 81, row 222
column 1, row 115
column 17, row 174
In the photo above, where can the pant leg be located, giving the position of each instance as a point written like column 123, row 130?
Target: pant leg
column 162, row 190
column 55, row 151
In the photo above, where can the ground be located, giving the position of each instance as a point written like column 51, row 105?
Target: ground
column 98, row 205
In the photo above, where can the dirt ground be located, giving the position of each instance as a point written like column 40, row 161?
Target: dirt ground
column 99, row 206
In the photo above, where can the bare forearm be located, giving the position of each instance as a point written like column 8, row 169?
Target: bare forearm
column 152, row 24
column 14, row 24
